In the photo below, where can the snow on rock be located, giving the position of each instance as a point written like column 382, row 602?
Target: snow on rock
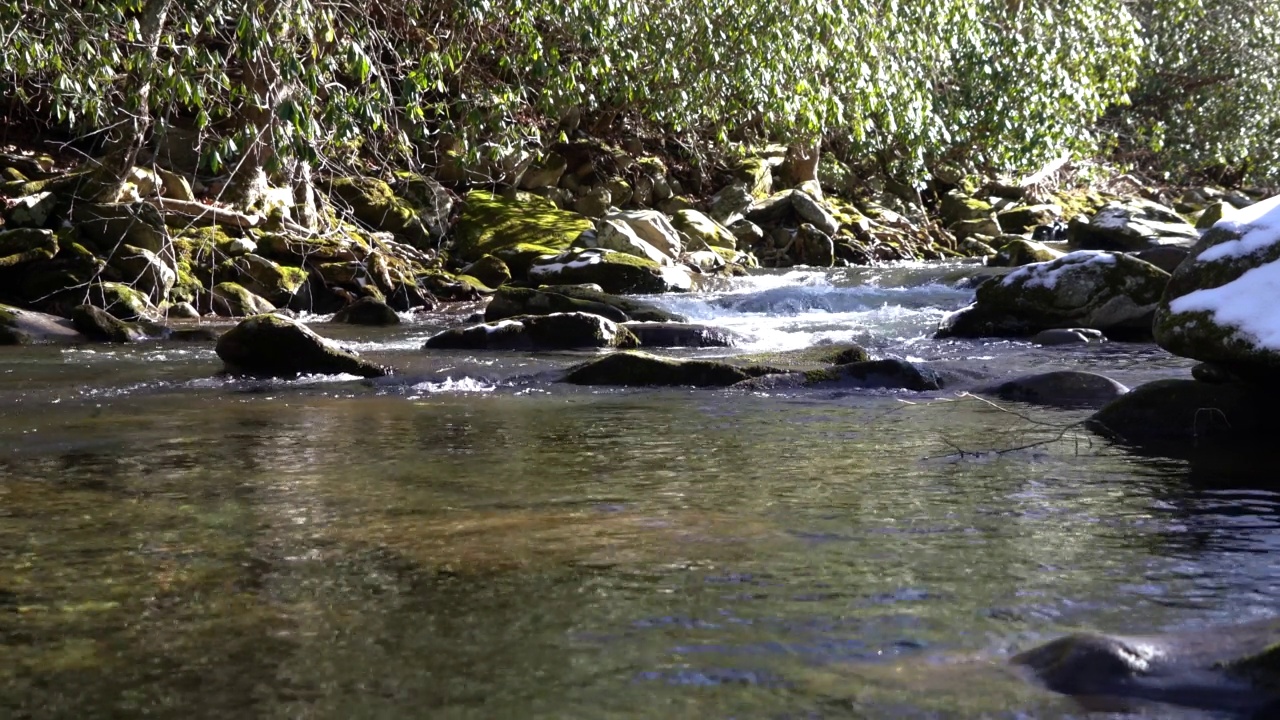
column 1223, row 305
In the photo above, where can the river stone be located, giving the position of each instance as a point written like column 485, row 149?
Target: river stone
column 1165, row 257
column 544, row 172
column 1110, row 292
column 275, row 346
column 1231, row 669
column 1062, row 388
column 30, row 211
column 615, row 272
column 1019, row 252
column 620, row 237
column 1220, row 306
column 98, row 325
column 123, row 302
column 730, row 204
column 813, row 247
column 25, row 327
column 490, row 270
column 957, row 206
column 367, row 311
column 488, row 224
column 652, row 227
column 276, row 283
column 1027, row 217
column 1068, row 336
column 232, row 300
column 637, row 310
column 985, row 227
column 670, row 334
column 638, row 369
column 374, row 203
column 811, row 211
column 145, row 271
column 698, row 230
column 1181, row 414
column 512, row 302
column 1210, row 216
column 432, row 203
column 889, row 374
column 557, row 331
column 23, row 245
column 1130, row 226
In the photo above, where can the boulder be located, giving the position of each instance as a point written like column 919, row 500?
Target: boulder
column 30, row 211
column 620, row 237
column 123, row 302
column 233, row 300
column 1213, row 213
column 1184, row 414
column 490, row 270
column 558, row 331
column 1068, row 336
column 674, row 334
column 544, row 172
column 957, row 206
column 275, row 346
column 520, row 257
column 1220, row 305
column 25, row 327
column 1110, row 292
column 987, row 227
column 595, row 202
column 1019, row 252
column 432, row 204
column 652, row 227
column 1165, row 257
column 813, row 247
column 637, row 310
column 145, row 271
column 638, row 369
column 811, row 211
column 24, row 245
column 489, row 224
column 698, row 230
column 1062, row 388
column 367, row 311
column 614, row 272
column 1025, row 218
column 98, row 325
column 729, row 205
column 1130, row 226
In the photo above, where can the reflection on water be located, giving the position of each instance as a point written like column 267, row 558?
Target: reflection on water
column 332, row 551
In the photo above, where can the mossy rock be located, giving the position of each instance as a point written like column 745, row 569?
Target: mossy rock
column 1026, row 217
column 1111, row 292
column 888, row 374
column 295, row 250
column 558, row 331
column 814, row 357
column 489, row 270
column 100, row 326
column 614, row 272
column 275, row 346
column 1214, row 213
column 26, row 245
column 25, row 327
column 122, row 302
column 367, row 311
column 276, row 283
column 233, row 300
column 957, row 206
column 373, row 203
column 521, row 256
column 1019, row 252
column 488, row 224
column 638, row 310
column 638, row 369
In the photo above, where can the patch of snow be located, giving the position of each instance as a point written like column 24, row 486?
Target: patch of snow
column 1258, row 225
column 1038, row 274
column 1246, row 303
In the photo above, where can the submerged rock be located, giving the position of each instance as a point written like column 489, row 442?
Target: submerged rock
column 275, row 346
column 1221, row 304
column 1110, row 292
column 557, row 331
column 25, row 327
column 671, row 334
column 638, row 369
column 1062, row 388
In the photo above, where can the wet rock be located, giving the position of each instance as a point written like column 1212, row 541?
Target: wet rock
column 558, row 331
column 1019, row 252
column 1180, row 414
column 98, row 325
column 638, row 369
column 1110, row 292
column 671, row 334
column 637, row 310
column 274, row 346
column 513, row 302
column 1220, row 305
column 181, row 311
column 1063, row 388
column 615, row 272
column 1068, row 336
column 489, row 224
column 1130, row 226
column 25, row 327
column 813, row 247
column 367, row 311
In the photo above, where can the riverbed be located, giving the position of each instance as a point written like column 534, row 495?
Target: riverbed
column 471, row 539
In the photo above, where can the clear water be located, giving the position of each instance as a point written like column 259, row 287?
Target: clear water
column 472, row 540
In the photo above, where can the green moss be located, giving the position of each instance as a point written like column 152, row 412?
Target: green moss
column 488, row 224
column 26, row 245
column 374, row 203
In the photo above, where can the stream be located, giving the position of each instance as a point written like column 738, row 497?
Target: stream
column 471, row 539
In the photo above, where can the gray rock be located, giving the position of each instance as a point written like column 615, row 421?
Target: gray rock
column 98, row 325
column 367, row 311
column 1062, row 388
column 557, row 331
column 274, row 346
column 890, row 374
column 670, row 335
column 32, row 211
column 1179, row 415
column 811, row 211
column 1131, row 226
column 24, row 327
column 1165, row 257
column 637, row 369
column 730, row 204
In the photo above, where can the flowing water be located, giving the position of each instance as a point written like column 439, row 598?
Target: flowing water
column 471, row 539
